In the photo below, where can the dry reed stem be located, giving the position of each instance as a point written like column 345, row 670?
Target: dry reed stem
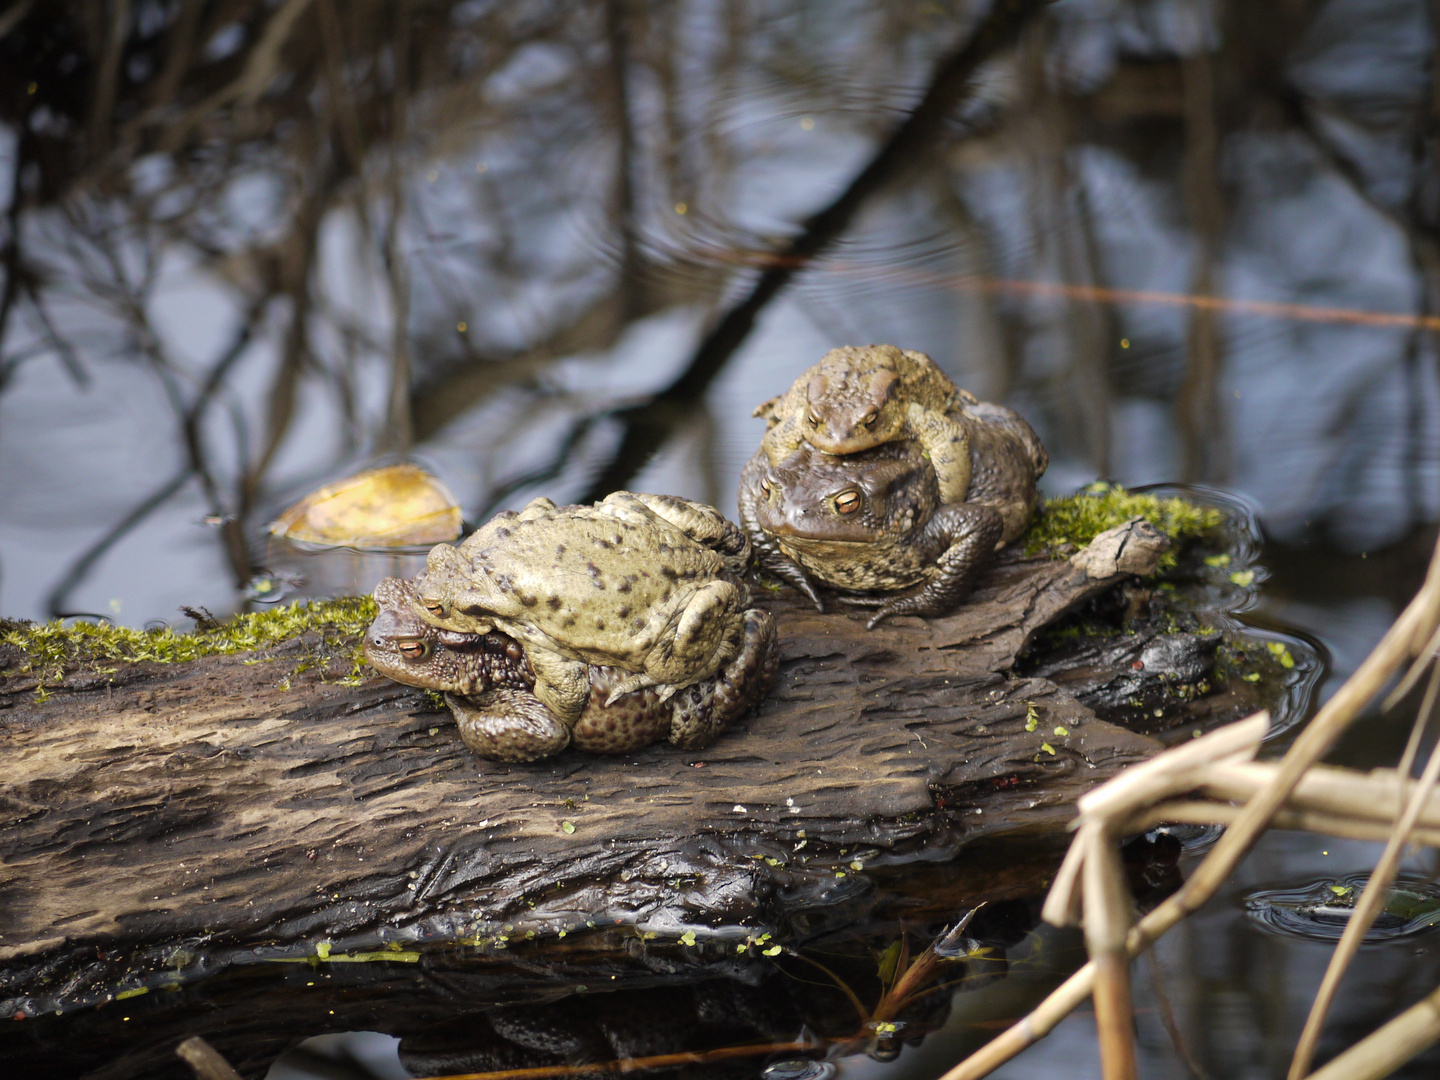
column 1404, row 640
column 1427, row 653
column 1107, row 918
column 1372, row 898
column 1208, row 813
column 1383, row 1051
column 205, row 1060
column 1142, row 785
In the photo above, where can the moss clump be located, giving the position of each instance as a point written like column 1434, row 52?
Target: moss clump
column 51, row 649
column 1077, row 519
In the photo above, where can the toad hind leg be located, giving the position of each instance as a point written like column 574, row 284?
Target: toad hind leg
column 972, row 531
column 706, row 635
column 508, row 725
column 704, row 710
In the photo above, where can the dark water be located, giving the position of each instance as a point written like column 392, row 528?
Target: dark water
column 249, row 247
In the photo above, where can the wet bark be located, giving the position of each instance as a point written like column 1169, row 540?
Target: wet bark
column 163, row 821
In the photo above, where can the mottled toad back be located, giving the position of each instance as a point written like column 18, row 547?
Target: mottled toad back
column 489, row 685
column 646, row 583
column 860, row 397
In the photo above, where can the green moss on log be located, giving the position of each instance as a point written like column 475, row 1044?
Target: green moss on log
column 54, row 648
column 1077, row 519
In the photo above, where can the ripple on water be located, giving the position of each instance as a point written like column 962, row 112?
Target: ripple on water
column 1320, row 910
column 799, row 1069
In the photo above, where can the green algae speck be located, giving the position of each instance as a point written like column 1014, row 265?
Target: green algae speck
column 1077, row 519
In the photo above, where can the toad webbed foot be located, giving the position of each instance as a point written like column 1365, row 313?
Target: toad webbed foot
column 971, row 531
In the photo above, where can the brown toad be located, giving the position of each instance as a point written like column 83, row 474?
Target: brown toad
column 873, row 522
column 859, row 397
column 489, row 686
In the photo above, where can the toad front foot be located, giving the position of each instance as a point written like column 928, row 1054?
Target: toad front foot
column 972, row 531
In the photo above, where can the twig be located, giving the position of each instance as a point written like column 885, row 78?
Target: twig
column 205, row 1060
column 1402, row 641
column 1372, row 899
column 658, row 1061
column 1382, row 1052
column 55, row 603
column 1107, row 918
column 1167, row 1018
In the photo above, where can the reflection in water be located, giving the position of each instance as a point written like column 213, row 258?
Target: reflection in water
column 250, row 247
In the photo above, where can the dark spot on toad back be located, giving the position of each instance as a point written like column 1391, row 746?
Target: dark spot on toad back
column 553, row 603
column 559, row 549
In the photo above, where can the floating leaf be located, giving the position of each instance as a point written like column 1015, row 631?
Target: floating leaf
column 1047, row 748
column 390, row 507
column 1062, row 731
column 1218, row 560
column 774, row 950
column 567, row 827
column 1032, row 719
column 1242, row 577
column 687, row 938
column 889, row 961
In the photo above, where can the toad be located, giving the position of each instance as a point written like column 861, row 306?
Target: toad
column 873, row 523
column 859, row 397
column 648, row 584
column 488, row 684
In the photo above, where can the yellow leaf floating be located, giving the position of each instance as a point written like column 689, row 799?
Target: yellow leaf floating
column 391, row 507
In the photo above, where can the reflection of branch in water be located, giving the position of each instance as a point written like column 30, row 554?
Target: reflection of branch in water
column 55, row 603
column 235, row 547
column 648, row 425
column 578, row 430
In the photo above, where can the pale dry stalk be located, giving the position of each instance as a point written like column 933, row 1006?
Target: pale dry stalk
column 1405, row 640
column 1383, row 1051
column 1141, row 786
column 1107, row 919
column 1209, row 813
column 1372, row 899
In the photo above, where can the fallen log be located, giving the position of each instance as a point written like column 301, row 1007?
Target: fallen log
column 163, row 821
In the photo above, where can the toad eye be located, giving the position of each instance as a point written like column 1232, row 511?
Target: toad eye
column 436, row 608
column 766, row 489
column 414, row 650
column 814, row 420
column 847, row 502
column 869, row 418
